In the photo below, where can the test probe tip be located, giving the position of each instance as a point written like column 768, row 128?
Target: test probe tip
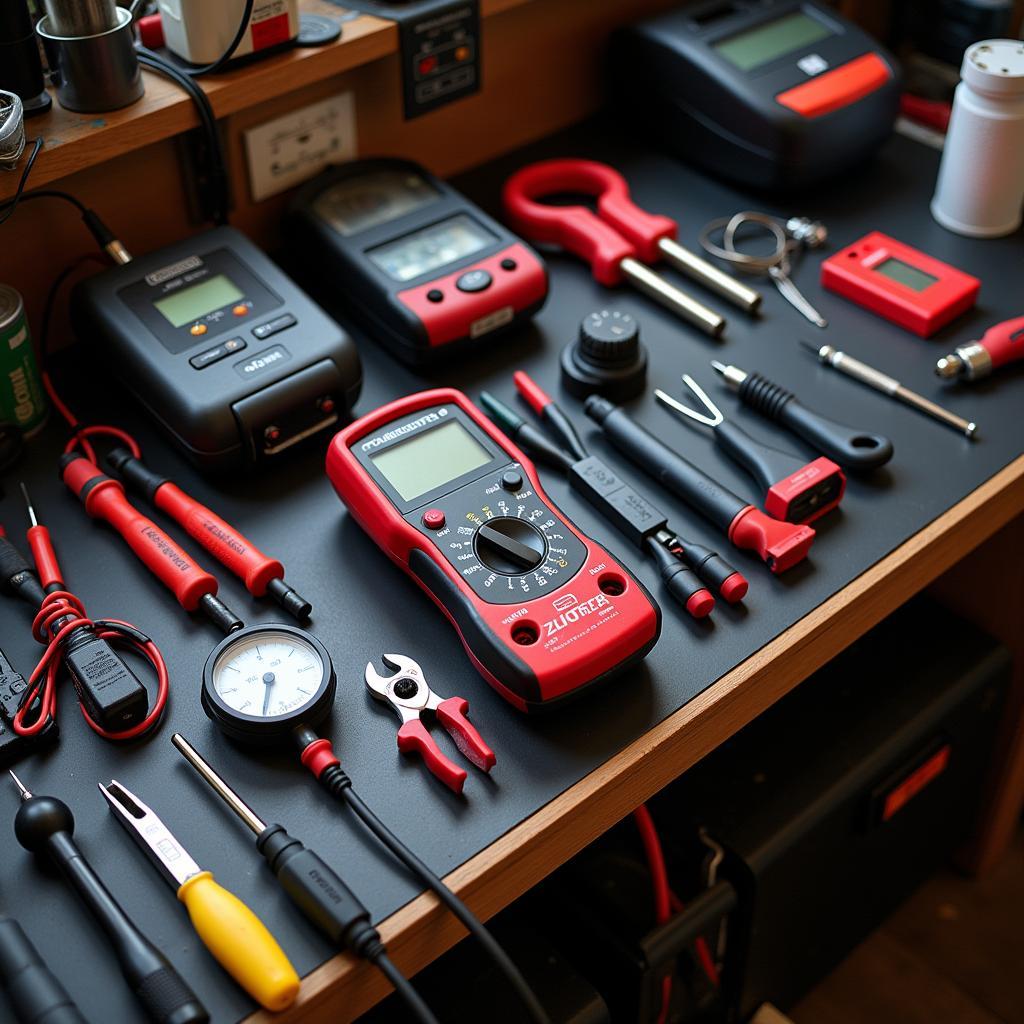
column 22, row 788
column 718, row 367
column 818, row 350
column 28, row 504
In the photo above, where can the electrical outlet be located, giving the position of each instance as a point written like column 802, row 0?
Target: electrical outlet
column 292, row 148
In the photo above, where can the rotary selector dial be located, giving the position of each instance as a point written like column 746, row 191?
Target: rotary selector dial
column 510, row 546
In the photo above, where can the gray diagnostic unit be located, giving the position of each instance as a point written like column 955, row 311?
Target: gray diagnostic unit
column 233, row 359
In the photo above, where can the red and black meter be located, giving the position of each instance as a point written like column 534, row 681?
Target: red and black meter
column 541, row 609
column 423, row 269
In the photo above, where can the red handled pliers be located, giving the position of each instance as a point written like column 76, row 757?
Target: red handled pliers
column 408, row 693
column 619, row 240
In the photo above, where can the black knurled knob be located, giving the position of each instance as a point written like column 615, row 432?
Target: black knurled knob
column 609, row 338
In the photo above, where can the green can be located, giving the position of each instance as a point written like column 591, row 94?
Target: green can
column 22, row 401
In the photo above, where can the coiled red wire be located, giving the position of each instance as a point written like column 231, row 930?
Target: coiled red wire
column 43, row 681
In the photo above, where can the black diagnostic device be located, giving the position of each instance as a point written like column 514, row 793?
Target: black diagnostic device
column 423, row 269
column 232, row 358
column 771, row 93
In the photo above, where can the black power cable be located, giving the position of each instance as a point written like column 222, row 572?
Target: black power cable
column 401, row 984
column 209, row 69
column 11, row 204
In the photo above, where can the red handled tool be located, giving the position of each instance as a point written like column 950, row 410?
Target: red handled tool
column 688, row 569
column 406, row 690
column 103, row 498
column 618, row 241
column 260, row 573
column 795, row 490
column 998, row 346
column 779, row 545
column 541, row 609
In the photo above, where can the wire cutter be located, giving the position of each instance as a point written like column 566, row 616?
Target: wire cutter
column 619, row 240
column 408, row 693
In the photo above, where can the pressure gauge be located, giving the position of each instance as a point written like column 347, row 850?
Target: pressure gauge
column 265, row 681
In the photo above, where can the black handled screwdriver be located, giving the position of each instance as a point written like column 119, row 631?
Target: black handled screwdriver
column 33, row 990
column 45, row 825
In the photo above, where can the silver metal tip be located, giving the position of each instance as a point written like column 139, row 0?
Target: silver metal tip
column 22, row 788
column 718, row 367
column 28, row 504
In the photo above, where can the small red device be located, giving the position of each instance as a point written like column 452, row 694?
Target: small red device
column 541, row 609
column 900, row 283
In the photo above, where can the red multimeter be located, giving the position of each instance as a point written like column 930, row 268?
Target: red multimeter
column 424, row 269
column 542, row 610
column 900, row 283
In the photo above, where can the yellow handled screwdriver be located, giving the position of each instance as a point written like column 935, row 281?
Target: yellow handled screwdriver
column 236, row 937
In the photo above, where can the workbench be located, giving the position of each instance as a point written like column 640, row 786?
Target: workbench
column 562, row 778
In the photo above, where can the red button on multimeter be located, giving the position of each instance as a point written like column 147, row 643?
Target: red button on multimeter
column 541, row 609
column 900, row 283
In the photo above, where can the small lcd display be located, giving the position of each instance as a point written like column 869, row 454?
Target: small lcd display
column 191, row 303
column 430, row 248
column 363, row 202
column 757, row 46
column 905, row 274
column 431, row 459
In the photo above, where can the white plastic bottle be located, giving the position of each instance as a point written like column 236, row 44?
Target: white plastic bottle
column 980, row 189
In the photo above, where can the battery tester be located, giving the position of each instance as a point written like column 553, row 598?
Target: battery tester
column 423, row 268
column 233, row 359
column 541, row 609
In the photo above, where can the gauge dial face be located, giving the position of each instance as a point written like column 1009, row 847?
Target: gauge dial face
column 268, row 674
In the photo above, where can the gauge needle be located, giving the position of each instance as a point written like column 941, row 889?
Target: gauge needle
column 268, row 682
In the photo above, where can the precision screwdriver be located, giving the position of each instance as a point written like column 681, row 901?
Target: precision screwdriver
column 104, row 498
column 322, row 897
column 35, row 993
column 236, row 937
column 45, row 825
column 851, row 367
column 260, row 573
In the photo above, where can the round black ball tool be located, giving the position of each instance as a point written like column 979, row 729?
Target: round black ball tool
column 607, row 358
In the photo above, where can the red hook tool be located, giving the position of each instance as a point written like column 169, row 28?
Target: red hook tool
column 619, row 240
column 408, row 693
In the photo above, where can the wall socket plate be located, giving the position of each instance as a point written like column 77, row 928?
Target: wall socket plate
column 292, row 148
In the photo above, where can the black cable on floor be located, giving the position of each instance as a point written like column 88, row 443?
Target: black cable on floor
column 401, row 984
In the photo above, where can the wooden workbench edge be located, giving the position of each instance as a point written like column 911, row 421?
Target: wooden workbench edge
column 342, row 988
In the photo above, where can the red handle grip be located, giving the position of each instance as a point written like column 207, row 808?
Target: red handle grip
column 104, row 499
column 221, row 539
column 574, row 228
column 413, row 736
column 45, row 557
column 1004, row 342
column 451, row 713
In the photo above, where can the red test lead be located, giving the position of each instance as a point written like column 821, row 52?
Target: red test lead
column 260, row 573
column 999, row 345
column 104, row 499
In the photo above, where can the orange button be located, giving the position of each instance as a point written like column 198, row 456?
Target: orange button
column 462, row 53
column 240, row 310
column 837, row 88
column 197, row 329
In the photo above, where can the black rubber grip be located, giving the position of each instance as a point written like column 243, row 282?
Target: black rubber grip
column 17, row 577
column 765, row 464
column 35, row 994
column 631, row 512
column 850, row 447
column 168, row 1000
column 710, row 566
column 135, row 473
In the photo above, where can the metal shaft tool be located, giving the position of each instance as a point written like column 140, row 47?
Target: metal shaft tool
column 858, row 370
column 45, row 825
column 237, row 938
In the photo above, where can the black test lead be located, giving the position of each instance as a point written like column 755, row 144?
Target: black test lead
column 45, row 825
column 795, row 490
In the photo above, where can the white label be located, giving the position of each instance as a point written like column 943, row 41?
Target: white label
column 292, row 148
column 813, row 64
column 491, row 322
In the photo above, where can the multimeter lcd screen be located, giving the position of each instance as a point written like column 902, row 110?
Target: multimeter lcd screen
column 430, row 248
column 904, row 273
column 757, row 46
column 364, row 202
column 430, row 459
column 189, row 304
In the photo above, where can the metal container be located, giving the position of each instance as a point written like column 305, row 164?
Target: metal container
column 95, row 72
column 81, row 17
column 22, row 401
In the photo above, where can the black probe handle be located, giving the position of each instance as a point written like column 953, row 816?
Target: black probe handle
column 850, row 447
column 35, row 994
column 765, row 464
column 150, row 975
column 681, row 477
column 17, row 576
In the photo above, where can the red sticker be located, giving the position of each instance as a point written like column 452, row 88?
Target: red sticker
column 903, row 793
column 270, row 31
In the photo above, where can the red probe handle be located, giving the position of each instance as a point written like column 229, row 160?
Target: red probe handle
column 779, row 545
column 451, row 713
column 45, row 557
column 104, row 499
column 413, row 736
column 574, row 228
column 1004, row 342
column 221, row 539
